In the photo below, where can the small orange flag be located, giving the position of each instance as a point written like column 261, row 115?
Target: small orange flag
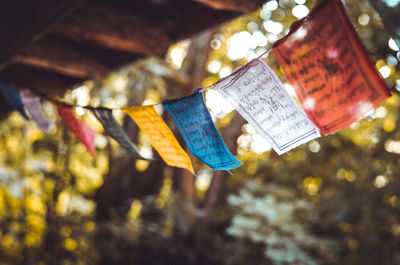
column 160, row 136
column 329, row 68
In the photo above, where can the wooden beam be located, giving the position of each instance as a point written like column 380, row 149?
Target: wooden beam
column 24, row 21
column 199, row 18
column 96, row 24
column 230, row 135
column 244, row 6
column 141, row 26
column 48, row 83
column 72, row 59
column 63, row 57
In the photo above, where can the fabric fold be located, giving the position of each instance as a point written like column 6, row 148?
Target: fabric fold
column 194, row 122
column 82, row 131
column 114, row 130
column 160, row 136
column 330, row 70
column 258, row 95
column 32, row 103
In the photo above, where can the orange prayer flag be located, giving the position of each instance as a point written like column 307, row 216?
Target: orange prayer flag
column 82, row 131
column 330, row 70
column 160, row 136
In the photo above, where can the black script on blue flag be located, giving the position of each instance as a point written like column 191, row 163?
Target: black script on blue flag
column 198, row 130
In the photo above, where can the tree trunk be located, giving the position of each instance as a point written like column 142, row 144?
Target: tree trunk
column 194, row 66
column 390, row 17
column 230, row 135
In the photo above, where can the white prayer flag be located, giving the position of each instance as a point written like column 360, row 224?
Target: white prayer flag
column 32, row 103
column 258, row 95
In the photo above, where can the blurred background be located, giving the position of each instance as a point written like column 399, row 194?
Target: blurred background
column 334, row 200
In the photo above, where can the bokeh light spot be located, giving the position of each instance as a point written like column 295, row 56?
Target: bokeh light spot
column 273, row 27
column 214, row 66
column 300, row 11
column 271, row 5
column 381, row 181
column 392, row 45
column 363, row 19
column 385, row 71
column 314, row 146
column 238, row 45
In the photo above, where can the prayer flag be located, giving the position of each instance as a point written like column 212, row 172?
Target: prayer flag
column 115, row 130
column 32, row 103
column 198, row 130
column 13, row 98
column 329, row 68
column 82, row 131
column 259, row 96
column 160, row 136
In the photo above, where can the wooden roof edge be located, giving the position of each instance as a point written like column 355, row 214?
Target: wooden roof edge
column 94, row 39
column 243, row 6
column 27, row 21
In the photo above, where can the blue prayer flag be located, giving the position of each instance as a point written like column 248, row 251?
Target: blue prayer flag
column 13, row 97
column 198, row 130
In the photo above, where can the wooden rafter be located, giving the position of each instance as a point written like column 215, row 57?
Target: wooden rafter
column 63, row 57
column 243, row 6
column 121, row 30
column 69, row 58
column 24, row 21
column 201, row 18
column 55, row 44
column 45, row 82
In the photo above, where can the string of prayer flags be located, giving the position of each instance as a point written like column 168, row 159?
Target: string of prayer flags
column 198, row 130
column 323, row 59
column 82, row 131
column 112, row 127
column 160, row 136
column 329, row 68
column 32, row 103
column 259, row 96
column 13, row 98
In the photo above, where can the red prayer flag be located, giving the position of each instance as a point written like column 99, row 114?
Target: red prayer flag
column 82, row 131
column 329, row 68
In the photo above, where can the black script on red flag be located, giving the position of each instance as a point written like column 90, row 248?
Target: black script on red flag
column 329, row 68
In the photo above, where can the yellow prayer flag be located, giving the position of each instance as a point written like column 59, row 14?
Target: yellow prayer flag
column 160, row 136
